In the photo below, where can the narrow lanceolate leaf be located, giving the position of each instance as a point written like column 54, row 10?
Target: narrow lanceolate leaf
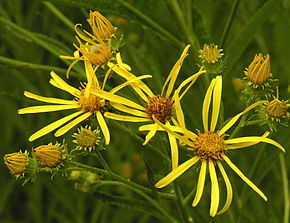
column 239, row 44
column 129, row 203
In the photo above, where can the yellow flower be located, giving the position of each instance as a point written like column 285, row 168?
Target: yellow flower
column 102, row 28
column 210, row 53
column 259, row 71
column 49, row 155
column 210, row 147
column 162, row 105
column 85, row 103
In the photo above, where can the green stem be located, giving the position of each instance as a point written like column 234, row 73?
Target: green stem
column 285, row 187
column 149, row 199
column 152, row 23
column 59, row 14
column 179, row 15
column 190, row 196
column 21, row 64
column 121, row 179
column 103, row 162
column 229, row 22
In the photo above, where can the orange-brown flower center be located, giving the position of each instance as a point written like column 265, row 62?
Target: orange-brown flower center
column 209, row 145
column 160, row 107
column 90, row 102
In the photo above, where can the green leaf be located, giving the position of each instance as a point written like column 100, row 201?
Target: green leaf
column 129, row 203
column 239, row 44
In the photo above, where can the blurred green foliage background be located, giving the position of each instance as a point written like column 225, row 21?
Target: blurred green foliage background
column 33, row 35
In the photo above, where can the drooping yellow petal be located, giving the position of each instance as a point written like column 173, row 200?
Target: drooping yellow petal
column 235, row 118
column 120, row 62
column 229, row 189
column 91, row 76
column 183, row 139
column 217, row 93
column 46, row 108
column 176, row 172
column 185, row 131
column 159, row 128
column 72, row 124
column 244, row 178
column 126, row 118
column 174, row 73
column 126, row 109
column 215, row 194
column 150, row 134
column 200, row 183
column 49, row 128
column 72, row 64
column 254, row 139
column 106, row 77
column 63, row 85
column 103, row 126
column 48, row 99
column 117, row 99
column 206, row 105
column 245, row 144
column 190, row 80
column 173, row 148
column 178, row 110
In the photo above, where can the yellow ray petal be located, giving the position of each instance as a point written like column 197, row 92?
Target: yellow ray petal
column 91, row 76
column 173, row 148
column 126, row 118
column 178, row 110
column 120, row 62
column 206, row 104
column 64, row 85
column 215, row 194
column 185, row 131
column 244, row 178
column 176, row 172
column 254, row 139
column 72, row 124
column 48, row 99
column 103, row 126
column 174, row 73
column 46, row 108
column 229, row 189
column 117, row 99
column 190, row 80
column 71, row 65
column 245, row 144
column 49, row 128
column 132, row 111
column 149, row 126
column 217, row 93
column 106, row 77
column 183, row 139
column 235, row 118
column 200, row 183
column 150, row 134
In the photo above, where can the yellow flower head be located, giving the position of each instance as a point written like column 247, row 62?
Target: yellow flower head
column 102, row 28
column 210, row 147
column 277, row 108
column 161, row 106
column 16, row 162
column 49, row 155
column 210, row 53
column 259, row 71
column 86, row 138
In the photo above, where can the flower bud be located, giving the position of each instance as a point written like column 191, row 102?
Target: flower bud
column 49, row 155
column 259, row 70
column 86, row 138
column 210, row 53
column 276, row 108
column 16, row 162
column 102, row 28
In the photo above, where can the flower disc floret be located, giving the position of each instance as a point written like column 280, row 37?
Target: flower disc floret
column 209, row 145
column 90, row 102
column 160, row 107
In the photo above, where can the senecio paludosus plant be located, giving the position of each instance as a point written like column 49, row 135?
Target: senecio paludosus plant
column 94, row 102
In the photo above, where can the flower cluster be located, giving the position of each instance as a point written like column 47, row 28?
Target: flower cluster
column 93, row 101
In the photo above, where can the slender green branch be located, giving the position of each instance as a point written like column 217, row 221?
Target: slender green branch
column 189, row 197
column 285, row 188
column 121, row 179
column 149, row 199
column 21, row 64
column 152, row 23
column 103, row 162
column 59, row 14
column 229, row 23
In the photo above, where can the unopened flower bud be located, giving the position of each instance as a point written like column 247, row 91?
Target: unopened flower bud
column 86, row 138
column 16, row 162
column 210, row 53
column 102, row 28
column 49, row 155
column 276, row 108
column 259, row 71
